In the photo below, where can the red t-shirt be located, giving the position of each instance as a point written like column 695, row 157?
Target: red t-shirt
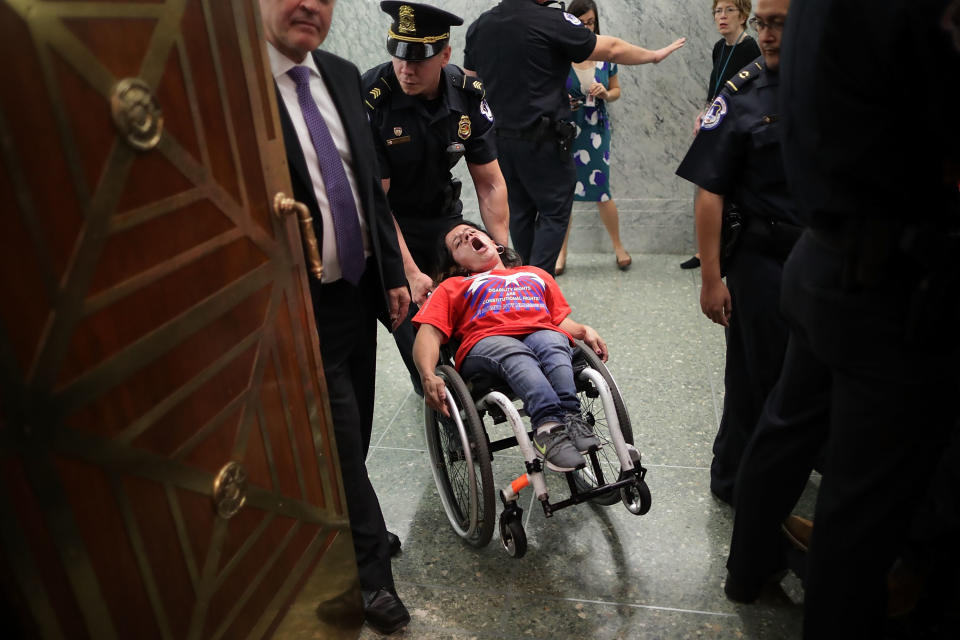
column 502, row 302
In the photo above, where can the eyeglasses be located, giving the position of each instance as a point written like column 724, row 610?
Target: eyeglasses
column 760, row 25
column 589, row 23
column 719, row 11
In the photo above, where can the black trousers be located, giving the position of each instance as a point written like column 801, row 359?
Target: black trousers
column 346, row 318
column 892, row 407
column 756, row 342
column 777, row 462
column 540, row 182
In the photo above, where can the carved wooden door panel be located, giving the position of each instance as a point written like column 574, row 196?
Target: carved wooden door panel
column 156, row 333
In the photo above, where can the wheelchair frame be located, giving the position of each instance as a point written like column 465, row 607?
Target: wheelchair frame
column 461, row 453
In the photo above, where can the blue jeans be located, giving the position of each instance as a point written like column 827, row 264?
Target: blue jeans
column 538, row 368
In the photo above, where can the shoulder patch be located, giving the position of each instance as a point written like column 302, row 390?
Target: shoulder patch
column 714, row 115
column 486, row 110
column 572, row 19
column 377, row 93
column 744, row 76
column 471, row 84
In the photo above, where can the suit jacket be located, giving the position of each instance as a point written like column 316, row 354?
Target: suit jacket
column 343, row 80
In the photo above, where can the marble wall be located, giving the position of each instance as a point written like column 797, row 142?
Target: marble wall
column 653, row 120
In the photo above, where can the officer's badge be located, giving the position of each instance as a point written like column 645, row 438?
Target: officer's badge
column 714, row 115
column 486, row 111
column 572, row 19
column 398, row 131
column 463, row 130
column 407, row 22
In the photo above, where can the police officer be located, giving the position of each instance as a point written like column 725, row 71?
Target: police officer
column 735, row 159
column 426, row 114
column 873, row 285
column 523, row 49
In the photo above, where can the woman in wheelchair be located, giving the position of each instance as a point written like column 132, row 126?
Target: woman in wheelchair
column 512, row 322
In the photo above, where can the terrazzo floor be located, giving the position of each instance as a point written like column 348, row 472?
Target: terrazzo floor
column 589, row 572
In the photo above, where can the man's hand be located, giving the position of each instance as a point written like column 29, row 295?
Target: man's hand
column 595, row 342
column 667, row 50
column 399, row 305
column 435, row 393
column 715, row 302
column 420, row 287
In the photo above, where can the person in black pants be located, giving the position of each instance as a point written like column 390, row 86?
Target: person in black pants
column 735, row 159
column 328, row 141
column 522, row 49
column 873, row 283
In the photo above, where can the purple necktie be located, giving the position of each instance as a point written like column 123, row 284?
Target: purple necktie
column 343, row 209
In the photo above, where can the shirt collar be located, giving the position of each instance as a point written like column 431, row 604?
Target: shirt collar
column 281, row 64
column 451, row 99
column 768, row 78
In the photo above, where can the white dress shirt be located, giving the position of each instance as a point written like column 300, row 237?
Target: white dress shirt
column 279, row 65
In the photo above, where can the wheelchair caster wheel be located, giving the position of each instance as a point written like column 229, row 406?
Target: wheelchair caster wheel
column 637, row 498
column 512, row 536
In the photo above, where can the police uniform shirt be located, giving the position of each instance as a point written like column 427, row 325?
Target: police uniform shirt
column 523, row 51
column 737, row 151
column 412, row 139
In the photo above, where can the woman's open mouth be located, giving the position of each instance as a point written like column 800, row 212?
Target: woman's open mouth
column 477, row 243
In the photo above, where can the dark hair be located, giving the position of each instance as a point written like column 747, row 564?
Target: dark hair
column 580, row 7
column 448, row 267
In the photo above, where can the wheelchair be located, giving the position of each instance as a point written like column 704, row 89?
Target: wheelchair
column 461, row 454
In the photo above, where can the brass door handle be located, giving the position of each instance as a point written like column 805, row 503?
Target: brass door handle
column 285, row 206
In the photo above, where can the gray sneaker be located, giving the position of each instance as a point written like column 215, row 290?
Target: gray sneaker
column 581, row 433
column 557, row 451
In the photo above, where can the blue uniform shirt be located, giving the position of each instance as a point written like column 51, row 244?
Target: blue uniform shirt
column 411, row 139
column 523, row 51
column 737, row 152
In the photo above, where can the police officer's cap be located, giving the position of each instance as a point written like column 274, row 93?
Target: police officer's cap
column 419, row 31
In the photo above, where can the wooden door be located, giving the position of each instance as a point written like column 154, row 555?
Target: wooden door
column 155, row 327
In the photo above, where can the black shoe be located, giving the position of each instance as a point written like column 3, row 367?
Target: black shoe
column 725, row 497
column 383, row 611
column 692, row 263
column 742, row 591
column 393, row 540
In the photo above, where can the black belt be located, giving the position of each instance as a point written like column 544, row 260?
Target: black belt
column 768, row 227
column 766, row 236
column 545, row 128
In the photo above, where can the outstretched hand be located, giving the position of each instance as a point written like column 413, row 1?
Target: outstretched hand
column 670, row 48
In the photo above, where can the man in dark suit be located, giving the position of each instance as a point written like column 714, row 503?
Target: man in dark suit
column 333, row 171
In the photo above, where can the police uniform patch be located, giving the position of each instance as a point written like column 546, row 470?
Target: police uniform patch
column 486, row 111
column 572, row 19
column 463, row 130
column 714, row 115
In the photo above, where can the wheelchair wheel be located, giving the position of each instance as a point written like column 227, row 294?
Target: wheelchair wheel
column 591, row 405
column 637, row 498
column 463, row 475
column 512, row 536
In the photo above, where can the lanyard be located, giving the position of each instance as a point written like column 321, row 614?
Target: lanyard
column 716, row 87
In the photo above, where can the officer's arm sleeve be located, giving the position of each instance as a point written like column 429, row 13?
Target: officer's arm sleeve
column 576, row 40
column 482, row 145
column 715, row 158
